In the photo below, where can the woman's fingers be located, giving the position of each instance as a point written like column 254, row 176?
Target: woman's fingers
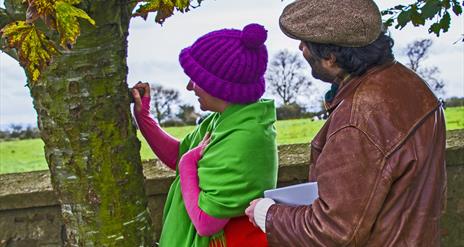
column 205, row 142
column 137, row 99
column 145, row 86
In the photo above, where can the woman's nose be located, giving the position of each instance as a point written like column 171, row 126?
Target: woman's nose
column 190, row 86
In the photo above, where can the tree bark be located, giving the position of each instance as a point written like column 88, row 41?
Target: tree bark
column 90, row 142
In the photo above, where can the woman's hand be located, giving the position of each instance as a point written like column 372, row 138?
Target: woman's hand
column 137, row 97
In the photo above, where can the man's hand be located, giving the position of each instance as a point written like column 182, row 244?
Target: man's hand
column 137, row 97
column 250, row 211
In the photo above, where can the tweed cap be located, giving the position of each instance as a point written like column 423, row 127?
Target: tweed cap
column 349, row 23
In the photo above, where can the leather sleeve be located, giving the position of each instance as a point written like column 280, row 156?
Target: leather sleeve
column 351, row 192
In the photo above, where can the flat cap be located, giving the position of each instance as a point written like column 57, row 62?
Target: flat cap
column 349, row 23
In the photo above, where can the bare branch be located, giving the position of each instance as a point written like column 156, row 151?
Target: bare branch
column 163, row 100
column 417, row 51
column 286, row 77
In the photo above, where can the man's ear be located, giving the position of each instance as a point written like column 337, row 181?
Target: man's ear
column 332, row 60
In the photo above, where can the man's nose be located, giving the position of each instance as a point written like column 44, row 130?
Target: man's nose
column 301, row 46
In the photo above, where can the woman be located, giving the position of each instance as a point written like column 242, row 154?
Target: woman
column 231, row 157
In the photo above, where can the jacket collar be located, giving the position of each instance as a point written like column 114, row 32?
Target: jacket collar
column 349, row 85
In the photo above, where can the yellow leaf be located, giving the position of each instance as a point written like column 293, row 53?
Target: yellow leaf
column 163, row 8
column 34, row 49
column 73, row 2
column 43, row 7
column 67, row 23
column 182, row 5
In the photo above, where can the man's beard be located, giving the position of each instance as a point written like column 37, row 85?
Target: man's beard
column 318, row 71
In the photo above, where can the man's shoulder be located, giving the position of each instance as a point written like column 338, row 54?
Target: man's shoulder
column 389, row 104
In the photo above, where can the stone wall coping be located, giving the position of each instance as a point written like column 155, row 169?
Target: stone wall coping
column 34, row 189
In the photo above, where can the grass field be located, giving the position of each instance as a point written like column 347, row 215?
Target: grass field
column 27, row 155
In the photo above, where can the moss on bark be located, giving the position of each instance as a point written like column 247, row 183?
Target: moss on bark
column 90, row 142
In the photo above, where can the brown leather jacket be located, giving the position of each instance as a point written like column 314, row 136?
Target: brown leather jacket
column 380, row 167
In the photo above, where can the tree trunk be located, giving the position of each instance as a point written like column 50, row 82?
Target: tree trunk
column 90, row 141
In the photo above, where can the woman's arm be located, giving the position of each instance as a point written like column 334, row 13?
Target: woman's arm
column 205, row 224
column 164, row 145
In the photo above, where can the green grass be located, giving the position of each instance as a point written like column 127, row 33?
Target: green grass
column 27, row 155
column 454, row 118
column 22, row 156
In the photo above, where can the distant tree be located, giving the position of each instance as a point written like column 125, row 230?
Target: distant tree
column 187, row 114
column 30, row 133
column 4, row 134
column 163, row 101
column 454, row 102
column 16, row 130
column 286, row 77
column 290, row 111
column 417, row 53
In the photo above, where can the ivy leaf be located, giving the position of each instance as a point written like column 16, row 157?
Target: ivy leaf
column 457, row 9
column 403, row 19
column 445, row 22
column 446, row 4
column 163, row 8
column 67, row 23
column 435, row 28
column 416, row 18
column 389, row 22
column 387, row 12
column 430, row 9
column 34, row 49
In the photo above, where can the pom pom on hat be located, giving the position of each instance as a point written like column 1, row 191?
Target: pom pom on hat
column 253, row 36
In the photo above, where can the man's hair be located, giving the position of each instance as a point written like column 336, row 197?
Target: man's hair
column 356, row 60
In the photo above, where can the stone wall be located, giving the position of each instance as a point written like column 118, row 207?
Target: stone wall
column 30, row 214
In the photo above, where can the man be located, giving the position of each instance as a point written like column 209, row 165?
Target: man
column 379, row 158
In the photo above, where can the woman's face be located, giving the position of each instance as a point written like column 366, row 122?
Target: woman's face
column 206, row 100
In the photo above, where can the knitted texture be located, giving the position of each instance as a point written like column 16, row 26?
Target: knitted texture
column 229, row 64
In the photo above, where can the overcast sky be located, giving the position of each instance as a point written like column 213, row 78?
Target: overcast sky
column 153, row 50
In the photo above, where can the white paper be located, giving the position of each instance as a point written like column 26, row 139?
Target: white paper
column 299, row 194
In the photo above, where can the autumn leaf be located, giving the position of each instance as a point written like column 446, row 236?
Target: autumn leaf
column 67, row 23
column 42, row 7
column 163, row 8
column 34, row 49
column 72, row 2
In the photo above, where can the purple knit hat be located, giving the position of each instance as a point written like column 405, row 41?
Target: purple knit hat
column 229, row 64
